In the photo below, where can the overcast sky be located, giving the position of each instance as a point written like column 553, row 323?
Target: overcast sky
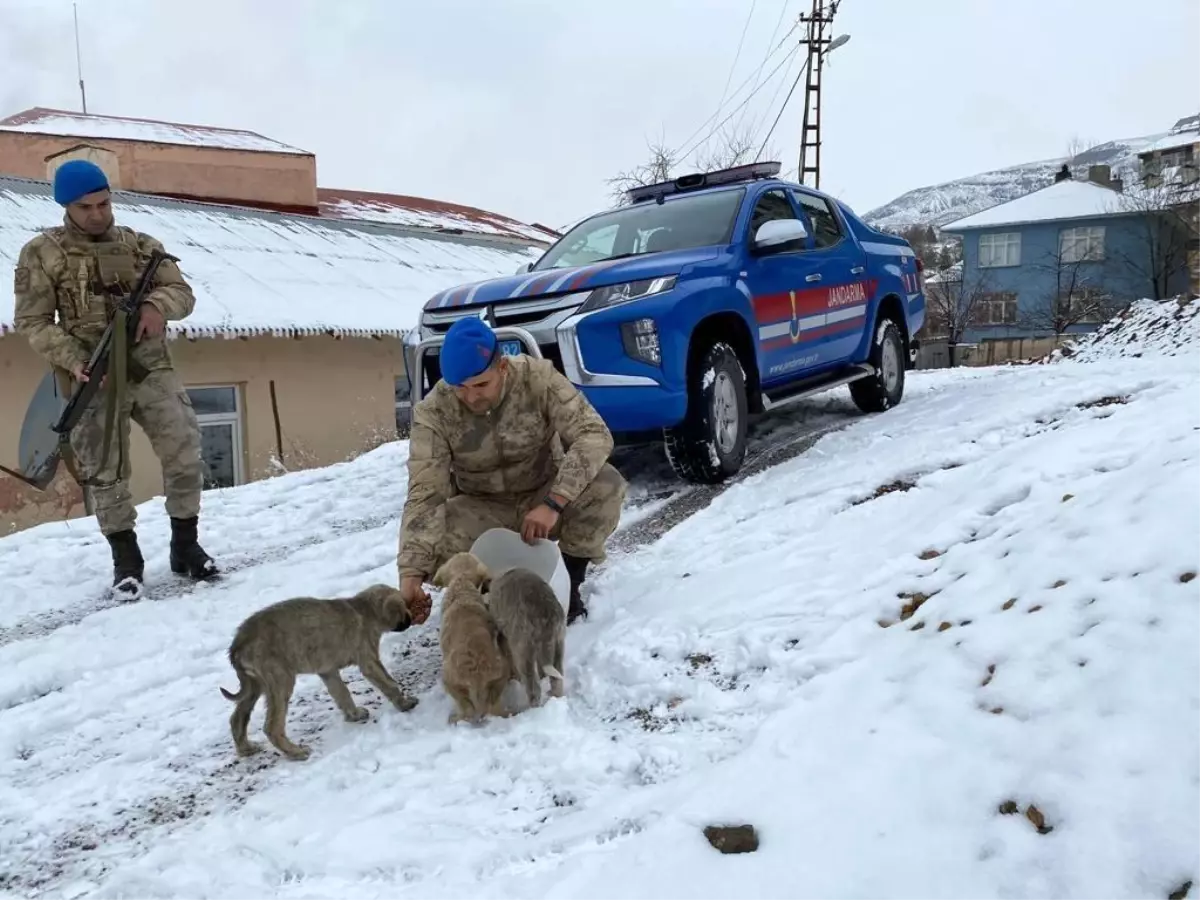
column 526, row 107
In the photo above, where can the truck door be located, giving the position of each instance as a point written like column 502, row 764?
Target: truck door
column 842, row 264
column 789, row 295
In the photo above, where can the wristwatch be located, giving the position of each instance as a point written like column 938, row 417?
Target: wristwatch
column 553, row 504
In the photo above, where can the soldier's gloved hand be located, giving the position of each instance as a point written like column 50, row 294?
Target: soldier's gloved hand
column 150, row 322
column 412, row 589
column 539, row 522
column 79, row 374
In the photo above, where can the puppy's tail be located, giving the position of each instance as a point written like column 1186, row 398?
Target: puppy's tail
column 549, row 670
column 245, row 682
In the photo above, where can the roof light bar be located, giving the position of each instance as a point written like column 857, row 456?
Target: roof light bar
column 734, row 175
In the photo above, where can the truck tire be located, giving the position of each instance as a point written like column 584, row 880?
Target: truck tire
column 710, row 444
column 885, row 388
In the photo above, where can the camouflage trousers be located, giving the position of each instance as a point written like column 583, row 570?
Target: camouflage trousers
column 162, row 409
column 582, row 529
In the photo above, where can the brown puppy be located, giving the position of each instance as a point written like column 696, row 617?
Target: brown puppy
column 476, row 665
column 310, row 636
column 535, row 626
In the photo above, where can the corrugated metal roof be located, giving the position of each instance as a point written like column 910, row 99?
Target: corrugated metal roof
column 66, row 123
column 257, row 272
column 420, row 212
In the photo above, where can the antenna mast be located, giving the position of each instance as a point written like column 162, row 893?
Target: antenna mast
column 818, row 41
column 79, row 59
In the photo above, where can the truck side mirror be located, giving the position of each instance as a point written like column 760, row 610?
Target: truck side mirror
column 779, row 235
column 523, row 269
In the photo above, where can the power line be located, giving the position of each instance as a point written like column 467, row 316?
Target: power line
column 779, row 115
column 740, row 107
column 738, row 90
column 757, row 124
column 736, row 57
column 771, row 42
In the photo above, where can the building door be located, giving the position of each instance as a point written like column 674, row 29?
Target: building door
column 218, row 410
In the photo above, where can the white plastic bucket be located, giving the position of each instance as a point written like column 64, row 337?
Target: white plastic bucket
column 501, row 549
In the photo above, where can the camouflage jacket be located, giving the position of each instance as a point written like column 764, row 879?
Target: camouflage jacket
column 65, row 271
column 508, row 452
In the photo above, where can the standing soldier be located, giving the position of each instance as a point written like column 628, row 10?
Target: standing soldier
column 78, row 270
column 482, row 454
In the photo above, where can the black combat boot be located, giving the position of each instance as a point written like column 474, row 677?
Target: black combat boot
column 187, row 556
column 577, row 570
column 128, row 566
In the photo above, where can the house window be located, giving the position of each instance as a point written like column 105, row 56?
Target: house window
column 996, row 250
column 403, row 406
column 998, row 308
column 1082, row 244
column 826, row 230
column 219, row 412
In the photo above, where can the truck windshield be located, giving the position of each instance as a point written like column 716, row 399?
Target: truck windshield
column 681, row 223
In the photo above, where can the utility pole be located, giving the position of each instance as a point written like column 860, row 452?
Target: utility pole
column 819, row 24
column 79, row 59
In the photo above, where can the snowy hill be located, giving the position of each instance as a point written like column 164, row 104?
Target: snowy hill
column 948, row 651
column 940, row 204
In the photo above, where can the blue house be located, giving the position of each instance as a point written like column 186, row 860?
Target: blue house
column 1065, row 258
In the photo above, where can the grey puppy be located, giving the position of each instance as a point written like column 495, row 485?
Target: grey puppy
column 534, row 625
column 311, row 636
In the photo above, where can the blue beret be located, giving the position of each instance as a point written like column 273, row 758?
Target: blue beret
column 77, row 178
column 469, row 348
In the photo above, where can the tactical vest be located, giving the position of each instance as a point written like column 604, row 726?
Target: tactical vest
column 91, row 278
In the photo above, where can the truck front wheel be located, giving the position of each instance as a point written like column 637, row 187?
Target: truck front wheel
column 710, row 444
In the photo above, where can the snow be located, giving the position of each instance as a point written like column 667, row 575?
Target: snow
column 950, row 201
column 1145, row 328
column 61, row 122
column 1067, row 199
column 752, row 666
column 419, row 213
column 1173, row 141
column 268, row 273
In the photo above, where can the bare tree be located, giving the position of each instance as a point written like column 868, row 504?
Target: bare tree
column 1076, row 294
column 1166, row 225
column 659, row 166
column 953, row 304
column 731, row 147
column 1078, row 145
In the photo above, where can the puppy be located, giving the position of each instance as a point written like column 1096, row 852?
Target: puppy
column 306, row 635
column 476, row 663
column 535, row 626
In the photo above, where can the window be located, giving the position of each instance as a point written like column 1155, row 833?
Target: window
column 996, row 308
column 826, row 229
column 680, row 222
column 774, row 206
column 218, row 410
column 1082, row 244
column 403, row 406
column 996, row 250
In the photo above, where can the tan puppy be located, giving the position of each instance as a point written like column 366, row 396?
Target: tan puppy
column 310, row 636
column 476, row 665
column 535, row 626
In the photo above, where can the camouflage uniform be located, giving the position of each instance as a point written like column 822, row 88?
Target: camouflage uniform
column 67, row 272
column 468, row 473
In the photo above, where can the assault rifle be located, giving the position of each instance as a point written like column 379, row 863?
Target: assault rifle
column 46, row 431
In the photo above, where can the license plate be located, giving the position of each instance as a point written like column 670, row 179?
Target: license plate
column 511, row 348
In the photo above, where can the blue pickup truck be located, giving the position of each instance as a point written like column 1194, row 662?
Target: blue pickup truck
column 702, row 301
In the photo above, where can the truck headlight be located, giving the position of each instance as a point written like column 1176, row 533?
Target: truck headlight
column 614, row 294
column 640, row 338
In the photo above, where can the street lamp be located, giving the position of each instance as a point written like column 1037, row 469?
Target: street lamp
column 837, row 42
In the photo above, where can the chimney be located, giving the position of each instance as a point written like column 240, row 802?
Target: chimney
column 1063, row 174
column 1118, row 185
column 1099, row 174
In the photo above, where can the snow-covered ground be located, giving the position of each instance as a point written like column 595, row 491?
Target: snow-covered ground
column 982, row 600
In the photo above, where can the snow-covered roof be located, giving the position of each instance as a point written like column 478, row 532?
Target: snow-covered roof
column 419, row 212
column 257, row 272
column 1171, row 141
column 65, row 123
column 1067, row 199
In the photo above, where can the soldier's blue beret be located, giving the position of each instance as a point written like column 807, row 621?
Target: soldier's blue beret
column 77, row 178
column 469, row 349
